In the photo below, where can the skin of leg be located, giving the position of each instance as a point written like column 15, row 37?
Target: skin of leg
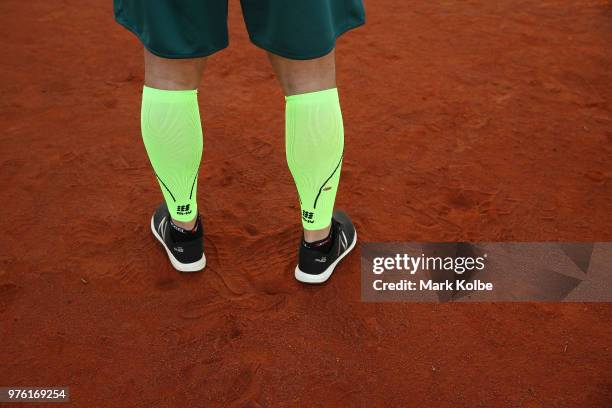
column 302, row 76
column 173, row 75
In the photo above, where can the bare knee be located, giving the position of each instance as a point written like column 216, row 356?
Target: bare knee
column 172, row 74
column 302, row 76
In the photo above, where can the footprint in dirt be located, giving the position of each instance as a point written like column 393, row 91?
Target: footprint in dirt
column 252, row 230
column 166, row 283
column 270, row 261
column 235, row 384
column 8, row 294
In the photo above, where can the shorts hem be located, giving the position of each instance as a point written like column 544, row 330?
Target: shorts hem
column 165, row 55
column 294, row 56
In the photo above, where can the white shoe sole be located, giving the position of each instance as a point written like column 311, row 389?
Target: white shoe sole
column 323, row 276
column 181, row 267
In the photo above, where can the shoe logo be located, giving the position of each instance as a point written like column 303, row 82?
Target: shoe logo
column 343, row 242
column 307, row 216
column 183, row 209
column 162, row 228
column 178, row 249
column 322, row 259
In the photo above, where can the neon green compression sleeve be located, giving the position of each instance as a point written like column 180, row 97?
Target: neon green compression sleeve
column 172, row 135
column 314, row 144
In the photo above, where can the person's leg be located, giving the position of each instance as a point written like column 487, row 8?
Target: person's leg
column 303, row 76
column 171, row 131
column 173, row 74
column 314, row 145
column 314, row 136
column 177, row 36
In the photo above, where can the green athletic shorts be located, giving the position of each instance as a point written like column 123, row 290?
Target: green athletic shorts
column 296, row 29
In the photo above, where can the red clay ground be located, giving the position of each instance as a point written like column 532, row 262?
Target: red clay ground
column 480, row 120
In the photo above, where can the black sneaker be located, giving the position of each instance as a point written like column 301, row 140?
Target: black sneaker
column 184, row 248
column 315, row 266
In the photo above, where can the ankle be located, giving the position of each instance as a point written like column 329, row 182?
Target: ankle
column 189, row 225
column 181, row 234
column 317, row 235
